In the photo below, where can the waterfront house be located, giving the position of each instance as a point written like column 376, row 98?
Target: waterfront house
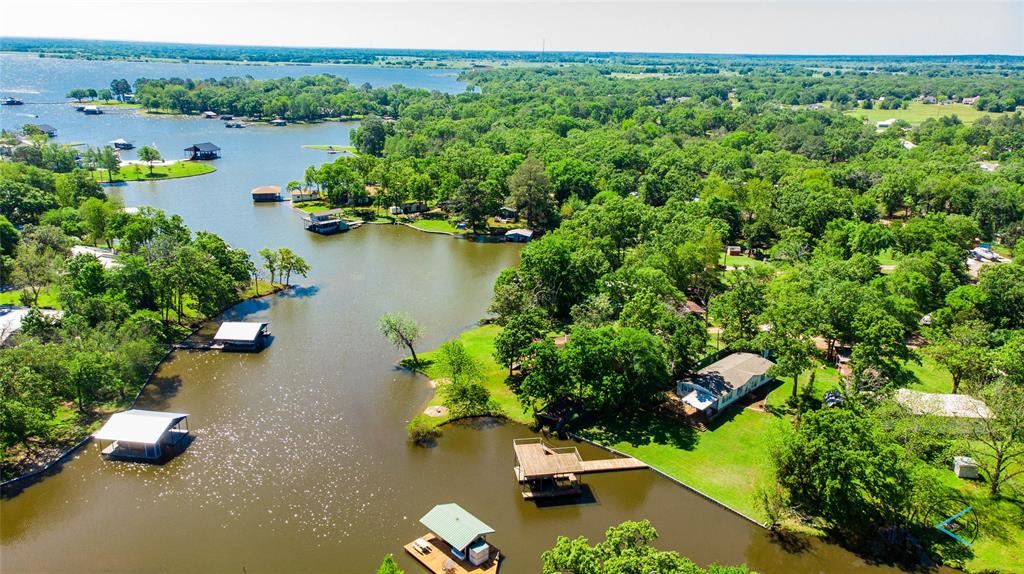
column 205, row 150
column 278, row 122
column 227, row 117
column 413, row 207
column 210, row 115
column 456, row 543
column 507, row 214
column 11, row 317
column 106, row 257
column 325, row 222
column 266, row 193
column 241, row 336
column 47, row 129
column 301, row 195
column 143, row 435
column 121, row 143
column 712, row 389
column 519, row 235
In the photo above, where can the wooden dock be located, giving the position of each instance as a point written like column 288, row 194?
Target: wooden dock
column 544, row 471
column 440, row 559
column 198, row 346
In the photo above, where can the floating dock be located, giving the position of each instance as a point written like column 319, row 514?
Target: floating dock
column 544, row 471
column 437, row 557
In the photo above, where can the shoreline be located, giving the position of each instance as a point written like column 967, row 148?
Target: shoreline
column 79, row 442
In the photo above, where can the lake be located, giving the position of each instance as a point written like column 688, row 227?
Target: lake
column 300, row 461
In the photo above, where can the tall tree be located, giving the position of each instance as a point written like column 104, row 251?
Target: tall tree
column 530, row 191
column 149, row 155
column 400, row 330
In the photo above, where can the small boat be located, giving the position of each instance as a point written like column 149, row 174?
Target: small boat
column 122, row 143
column 92, row 111
column 11, row 102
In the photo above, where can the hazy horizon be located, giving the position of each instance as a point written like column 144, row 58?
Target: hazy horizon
column 749, row 27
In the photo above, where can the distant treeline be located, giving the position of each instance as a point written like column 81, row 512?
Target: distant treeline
column 607, row 61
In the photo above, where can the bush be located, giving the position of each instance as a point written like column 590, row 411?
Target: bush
column 422, row 432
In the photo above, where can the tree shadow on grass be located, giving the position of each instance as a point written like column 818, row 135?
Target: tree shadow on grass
column 641, row 428
column 155, row 175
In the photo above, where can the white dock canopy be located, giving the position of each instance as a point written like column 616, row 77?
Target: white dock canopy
column 138, row 426
column 239, row 331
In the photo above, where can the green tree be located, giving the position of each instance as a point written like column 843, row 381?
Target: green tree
column 149, row 155
column 290, row 263
column 738, row 309
column 519, row 332
column 35, row 267
column 271, row 262
column 95, row 214
column 839, row 465
column 964, row 352
column 627, row 548
column 400, row 330
column 997, row 441
column 530, row 192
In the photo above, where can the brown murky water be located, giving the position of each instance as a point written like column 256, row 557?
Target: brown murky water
column 300, row 462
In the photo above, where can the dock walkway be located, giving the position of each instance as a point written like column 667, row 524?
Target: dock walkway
column 535, row 460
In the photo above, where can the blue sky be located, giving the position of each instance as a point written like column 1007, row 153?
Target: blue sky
column 707, row 26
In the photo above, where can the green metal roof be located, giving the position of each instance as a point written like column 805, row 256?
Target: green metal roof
column 454, row 525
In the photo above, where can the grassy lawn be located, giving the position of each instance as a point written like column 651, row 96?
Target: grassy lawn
column 887, row 257
column 47, row 298
column 436, row 225
column 917, row 112
column 142, row 173
column 344, row 148
column 479, row 342
column 743, row 261
column 728, row 462
column 107, row 104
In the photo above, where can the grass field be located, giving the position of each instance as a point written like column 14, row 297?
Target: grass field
column 344, row 148
column 47, row 298
column 141, row 172
column 917, row 112
column 479, row 342
column 437, row 225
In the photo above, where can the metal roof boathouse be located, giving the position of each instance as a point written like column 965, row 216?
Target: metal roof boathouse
column 205, row 150
column 456, row 544
column 143, row 435
column 241, row 336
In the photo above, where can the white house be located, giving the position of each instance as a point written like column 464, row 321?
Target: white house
column 712, row 389
column 885, row 123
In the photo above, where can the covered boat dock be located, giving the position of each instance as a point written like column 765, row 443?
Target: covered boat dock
column 456, row 543
column 241, row 336
column 143, row 435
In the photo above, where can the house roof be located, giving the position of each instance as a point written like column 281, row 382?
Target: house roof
column 266, row 190
column 728, row 374
column 45, row 128
column 145, row 427
column 238, row 331
column 942, row 405
column 120, row 141
column 11, row 317
column 523, row 232
column 205, row 146
column 454, row 525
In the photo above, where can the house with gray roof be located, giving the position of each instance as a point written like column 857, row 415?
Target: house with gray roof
column 712, row 389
